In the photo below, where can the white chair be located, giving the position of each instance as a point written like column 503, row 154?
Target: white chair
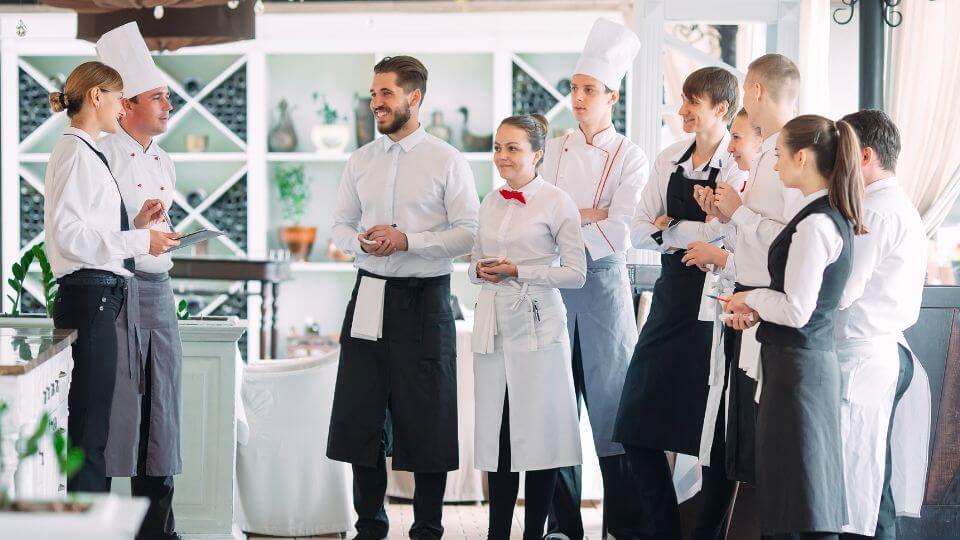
column 286, row 484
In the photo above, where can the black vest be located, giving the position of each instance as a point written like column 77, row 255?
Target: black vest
column 818, row 333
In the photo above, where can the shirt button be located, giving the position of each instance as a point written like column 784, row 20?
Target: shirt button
column 103, row 299
column 133, row 155
column 162, row 188
column 139, row 185
column 101, row 308
column 156, row 158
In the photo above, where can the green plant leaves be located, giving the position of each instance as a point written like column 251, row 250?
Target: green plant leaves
column 69, row 458
column 183, row 313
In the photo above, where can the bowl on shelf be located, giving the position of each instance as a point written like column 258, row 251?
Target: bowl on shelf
column 196, row 143
column 330, row 138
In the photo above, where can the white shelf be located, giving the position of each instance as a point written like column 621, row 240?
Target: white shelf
column 326, row 157
column 322, row 267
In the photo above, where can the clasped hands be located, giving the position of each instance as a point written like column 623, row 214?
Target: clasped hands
column 496, row 270
column 382, row 240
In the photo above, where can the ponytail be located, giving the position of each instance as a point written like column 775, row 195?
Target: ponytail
column 845, row 184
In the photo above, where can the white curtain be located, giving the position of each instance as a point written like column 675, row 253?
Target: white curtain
column 924, row 101
column 814, row 61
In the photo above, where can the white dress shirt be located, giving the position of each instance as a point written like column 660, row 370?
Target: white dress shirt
column 422, row 185
column 653, row 199
column 607, row 174
column 767, row 206
column 81, row 212
column 883, row 295
column 816, row 244
column 542, row 237
column 142, row 174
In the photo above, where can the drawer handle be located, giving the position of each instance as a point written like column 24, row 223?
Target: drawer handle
column 62, row 374
column 62, row 488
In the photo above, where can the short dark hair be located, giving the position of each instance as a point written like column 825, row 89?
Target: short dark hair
column 411, row 73
column 877, row 131
column 717, row 85
column 534, row 125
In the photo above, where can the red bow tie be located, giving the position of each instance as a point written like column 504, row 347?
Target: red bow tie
column 508, row 194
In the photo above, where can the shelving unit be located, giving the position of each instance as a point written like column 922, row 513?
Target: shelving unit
column 230, row 93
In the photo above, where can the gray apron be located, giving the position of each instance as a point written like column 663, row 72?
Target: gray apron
column 146, row 332
column 602, row 313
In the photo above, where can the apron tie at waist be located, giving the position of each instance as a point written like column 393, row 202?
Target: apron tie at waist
column 131, row 308
column 524, row 298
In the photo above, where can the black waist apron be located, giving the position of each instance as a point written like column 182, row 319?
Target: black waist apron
column 402, row 387
column 665, row 393
column 742, row 409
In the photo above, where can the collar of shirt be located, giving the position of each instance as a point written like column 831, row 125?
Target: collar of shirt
column 529, row 190
column 82, row 134
column 131, row 144
column 407, row 143
column 601, row 139
column 883, row 183
column 802, row 203
column 770, row 143
column 716, row 161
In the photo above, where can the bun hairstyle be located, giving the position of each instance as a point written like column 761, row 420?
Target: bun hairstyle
column 836, row 152
column 534, row 125
column 84, row 77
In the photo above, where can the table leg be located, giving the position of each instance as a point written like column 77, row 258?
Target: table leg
column 274, row 337
column 264, row 334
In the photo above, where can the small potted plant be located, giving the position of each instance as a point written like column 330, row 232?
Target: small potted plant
column 294, row 189
column 332, row 134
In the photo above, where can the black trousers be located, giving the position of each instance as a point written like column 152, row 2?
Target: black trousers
column 801, row 536
column 158, row 524
column 620, row 496
column 887, row 520
column 659, row 517
column 504, row 486
column 92, row 311
column 370, row 490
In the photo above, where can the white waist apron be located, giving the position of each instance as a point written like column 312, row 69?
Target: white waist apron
column 869, row 371
column 521, row 347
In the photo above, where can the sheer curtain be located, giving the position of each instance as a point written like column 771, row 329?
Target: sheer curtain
column 924, row 101
column 814, row 61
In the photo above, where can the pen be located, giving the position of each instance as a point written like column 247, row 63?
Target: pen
column 717, row 239
column 166, row 218
column 718, row 298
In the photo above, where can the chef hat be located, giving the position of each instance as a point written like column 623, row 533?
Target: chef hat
column 124, row 50
column 608, row 53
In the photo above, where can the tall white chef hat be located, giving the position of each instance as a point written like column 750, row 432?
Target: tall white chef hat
column 608, row 53
column 124, row 50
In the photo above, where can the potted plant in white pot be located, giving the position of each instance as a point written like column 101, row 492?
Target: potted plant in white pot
column 76, row 516
column 294, row 189
column 332, row 134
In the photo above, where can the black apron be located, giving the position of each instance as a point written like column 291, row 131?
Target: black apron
column 665, row 393
column 401, row 388
column 741, row 408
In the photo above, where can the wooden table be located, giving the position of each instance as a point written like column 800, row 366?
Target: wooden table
column 270, row 273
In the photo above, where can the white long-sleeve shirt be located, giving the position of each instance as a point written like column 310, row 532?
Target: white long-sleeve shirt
column 542, row 237
column 422, row 185
column 885, row 289
column 142, row 174
column 815, row 245
column 767, row 206
column 607, row 174
column 653, row 199
column 81, row 212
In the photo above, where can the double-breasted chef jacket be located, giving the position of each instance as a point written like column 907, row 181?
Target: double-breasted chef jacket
column 607, row 173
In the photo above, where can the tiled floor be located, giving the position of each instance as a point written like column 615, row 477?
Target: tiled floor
column 462, row 522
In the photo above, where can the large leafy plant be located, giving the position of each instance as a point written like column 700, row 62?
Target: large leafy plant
column 19, row 276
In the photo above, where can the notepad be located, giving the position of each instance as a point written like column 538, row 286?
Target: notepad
column 196, row 238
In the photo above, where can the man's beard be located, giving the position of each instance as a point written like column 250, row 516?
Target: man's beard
column 400, row 118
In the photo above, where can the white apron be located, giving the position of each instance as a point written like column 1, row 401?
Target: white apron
column 869, row 371
column 521, row 346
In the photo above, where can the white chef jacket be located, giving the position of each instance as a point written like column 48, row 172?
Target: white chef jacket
column 542, row 237
column 653, row 199
column 142, row 174
column 816, row 244
column 422, row 185
column 81, row 212
column 607, row 173
column 766, row 208
column 885, row 289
